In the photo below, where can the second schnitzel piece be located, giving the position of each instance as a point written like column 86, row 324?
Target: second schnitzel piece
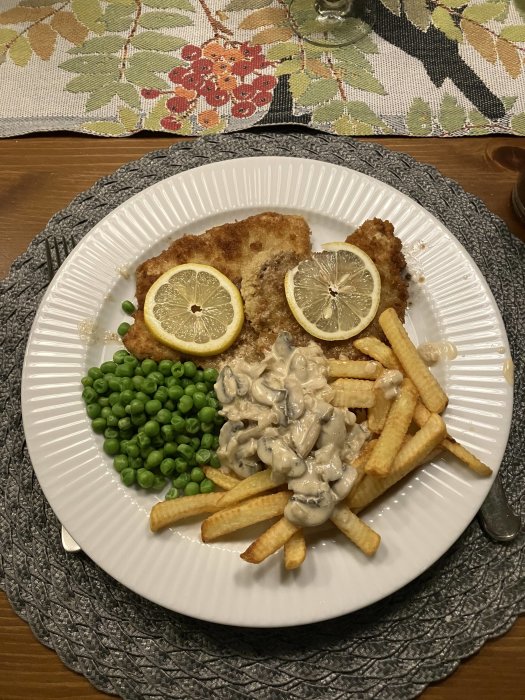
column 265, row 301
column 229, row 248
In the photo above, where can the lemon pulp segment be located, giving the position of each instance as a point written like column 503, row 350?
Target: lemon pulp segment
column 195, row 309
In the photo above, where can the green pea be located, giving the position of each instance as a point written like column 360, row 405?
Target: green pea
column 95, row 373
column 118, row 410
column 190, row 389
column 128, row 307
column 170, row 381
column 210, row 375
column 141, row 396
column 181, row 481
column 154, row 458
column 181, row 465
column 89, row 394
column 185, row 381
column 150, row 386
column 136, row 462
column 157, row 376
column 143, row 440
column 165, row 367
column 167, row 432
column 139, row 419
column 151, row 428
column 195, row 442
column 190, row 369
column 206, row 486
column 164, row 416
column 178, row 423
column 203, row 457
column 207, row 414
column 105, row 411
column 159, row 483
column 206, row 441
column 207, row 427
column 123, row 328
column 215, row 444
column 108, row 367
column 137, row 372
column 161, row 394
column 111, row 432
column 152, row 407
column 201, row 386
column 119, row 355
column 157, row 441
column 115, row 384
column 114, row 398
column 214, row 460
column 186, row 451
column 124, row 370
column 171, row 494
column 167, row 466
column 126, row 433
column 213, row 403
column 131, row 361
column 98, row 425
column 197, row 474
column 183, row 440
column 136, row 407
column 169, row 405
column 175, row 392
column 111, row 446
column 170, row 448
column 120, row 462
column 199, row 400
column 177, row 370
column 126, row 396
column 145, row 478
column 185, row 404
column 128, row 476
column 93, row 410
column 137, row 382
column 124, row 424
column 132, row 449
column 148, row 366
column 192, row 426
column 126, row 383
column 112, row 420
column 86, row 381
column 191, row 489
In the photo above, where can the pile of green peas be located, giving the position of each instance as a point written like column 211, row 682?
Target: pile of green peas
column 160, row 421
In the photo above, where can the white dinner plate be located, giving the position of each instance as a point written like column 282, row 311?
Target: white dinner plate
column 418, row 521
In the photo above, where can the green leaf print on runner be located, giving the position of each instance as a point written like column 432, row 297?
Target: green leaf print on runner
column 419, row 118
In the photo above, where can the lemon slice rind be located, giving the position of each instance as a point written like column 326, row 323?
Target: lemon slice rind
column 308, row 325
column 233, row 307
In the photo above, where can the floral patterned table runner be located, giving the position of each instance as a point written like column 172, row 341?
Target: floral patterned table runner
column 195, row 67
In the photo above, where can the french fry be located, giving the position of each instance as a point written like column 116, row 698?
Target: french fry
column 219, row 478
column 247, row 513
column 294, row 551
column 354, row 369
column 427, row 385
column 396, row 426
column 376, row 349
column 363, row 456
column 414, row 452
column 422, row 414
column 378, row 413
column 468, row 459
column 353, row 393
column 270, row 541
column 165, row 513
column 355, row 529
column 246, row 488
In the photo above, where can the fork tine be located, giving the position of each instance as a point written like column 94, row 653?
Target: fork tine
column 49, row 260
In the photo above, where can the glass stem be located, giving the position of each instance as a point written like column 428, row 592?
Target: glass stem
column 334, row 9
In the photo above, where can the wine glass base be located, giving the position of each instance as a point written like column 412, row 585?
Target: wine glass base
column 331, row 29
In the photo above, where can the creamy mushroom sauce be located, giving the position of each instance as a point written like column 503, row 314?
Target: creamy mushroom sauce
column 389, row 383
column 279, row 416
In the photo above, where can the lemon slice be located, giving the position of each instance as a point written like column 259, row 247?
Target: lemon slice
column 334, row 294
column 195, row 309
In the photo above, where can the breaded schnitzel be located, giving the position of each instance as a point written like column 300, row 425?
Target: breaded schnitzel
column 229, row 248
column 265, row 302
column 256, row 253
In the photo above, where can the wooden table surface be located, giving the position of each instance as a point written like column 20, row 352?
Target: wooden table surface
column 40, row 174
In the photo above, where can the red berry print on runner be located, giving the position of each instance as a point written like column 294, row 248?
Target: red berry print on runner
column 220, row 73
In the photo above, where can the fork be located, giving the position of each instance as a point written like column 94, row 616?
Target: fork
column 61, row 247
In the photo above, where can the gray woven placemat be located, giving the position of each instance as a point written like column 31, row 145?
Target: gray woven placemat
column 130, row 647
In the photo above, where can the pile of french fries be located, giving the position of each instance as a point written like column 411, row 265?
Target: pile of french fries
column 407, row 431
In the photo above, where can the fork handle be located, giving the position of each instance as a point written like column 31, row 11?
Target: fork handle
column 497, row 517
